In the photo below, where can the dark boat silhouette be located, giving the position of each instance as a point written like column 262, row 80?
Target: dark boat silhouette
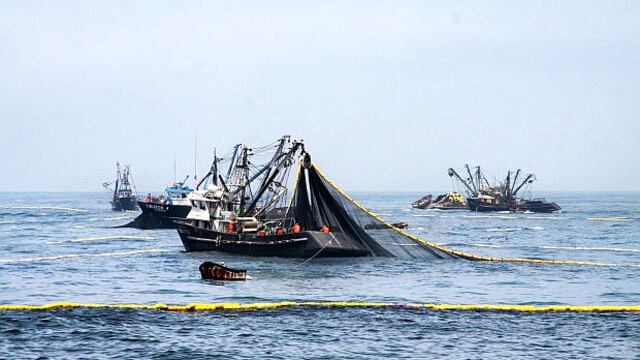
column 124, row 198
column 483, row 197
column 449, row 201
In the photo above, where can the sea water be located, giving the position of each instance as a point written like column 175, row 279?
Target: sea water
column 65, row 247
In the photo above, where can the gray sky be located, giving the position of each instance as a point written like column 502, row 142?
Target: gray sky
column 386, row 95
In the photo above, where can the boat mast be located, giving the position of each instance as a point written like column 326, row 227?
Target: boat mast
column 233, row 160
column 515, row 180
column 214, row 168
column 486, row 182
column 245, row 177
column 506, row 191
column 195, row 157
column 272, row 164
column 213, row 172
column 115, row 191
column 285, row 161
column 126, row 185
column 475, row 189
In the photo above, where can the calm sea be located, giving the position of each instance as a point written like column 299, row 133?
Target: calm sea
column 64, row 247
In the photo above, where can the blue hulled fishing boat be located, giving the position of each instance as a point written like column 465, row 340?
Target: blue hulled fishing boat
column 160, row 212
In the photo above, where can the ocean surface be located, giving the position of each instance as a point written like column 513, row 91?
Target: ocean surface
column 57, row 247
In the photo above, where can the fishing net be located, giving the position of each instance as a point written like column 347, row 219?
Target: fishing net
column 318, row 202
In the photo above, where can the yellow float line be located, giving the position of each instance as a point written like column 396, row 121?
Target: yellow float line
column 328, row 304
column 458, row 253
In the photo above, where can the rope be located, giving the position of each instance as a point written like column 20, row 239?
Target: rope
column 317, row 252
column 459, row 253
column 330, row 304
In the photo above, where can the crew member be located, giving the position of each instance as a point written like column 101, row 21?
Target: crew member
column 325, row 229
column 231, row 227
column 296, row 228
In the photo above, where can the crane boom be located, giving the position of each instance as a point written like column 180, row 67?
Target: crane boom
column 475, row 188
column 515, row 180
column 529, row 177
column 453, row 173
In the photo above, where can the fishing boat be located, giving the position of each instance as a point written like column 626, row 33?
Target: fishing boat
column 160, row 212
column 124, row 198
column 225, row 217
column 449, row 201
column 423, row 202
column 483, row 197
column 213, row 271
column 230, row 214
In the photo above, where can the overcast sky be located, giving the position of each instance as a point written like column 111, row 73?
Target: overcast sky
column 386, row 95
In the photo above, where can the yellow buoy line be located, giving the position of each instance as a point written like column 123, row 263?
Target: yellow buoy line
column 197, row 307
column 463, row 254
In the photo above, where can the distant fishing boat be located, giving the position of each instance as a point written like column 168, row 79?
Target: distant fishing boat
column 484, row 197
column 423, row 202
column 449, row 201
column 318, row 220
column 124, row 197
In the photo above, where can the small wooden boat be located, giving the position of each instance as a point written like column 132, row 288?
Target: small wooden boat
column 213, row 271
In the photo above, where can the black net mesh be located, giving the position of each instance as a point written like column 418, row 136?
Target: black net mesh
column 318, row 202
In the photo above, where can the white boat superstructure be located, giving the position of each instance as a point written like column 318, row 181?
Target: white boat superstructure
column 248, row 192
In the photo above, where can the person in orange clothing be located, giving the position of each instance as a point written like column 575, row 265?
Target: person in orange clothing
column 296, row 228
column 325, row 229
column 279, row 231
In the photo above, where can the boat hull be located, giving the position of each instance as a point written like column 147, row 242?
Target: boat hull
column 533, row 206
column 124, row 204
column 448, row 207
column 480, row 206
column 157, row 215
column 304, row 244
column 539, row 206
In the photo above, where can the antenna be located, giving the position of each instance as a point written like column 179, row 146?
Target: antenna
column 195, row 157
column 174, row 166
